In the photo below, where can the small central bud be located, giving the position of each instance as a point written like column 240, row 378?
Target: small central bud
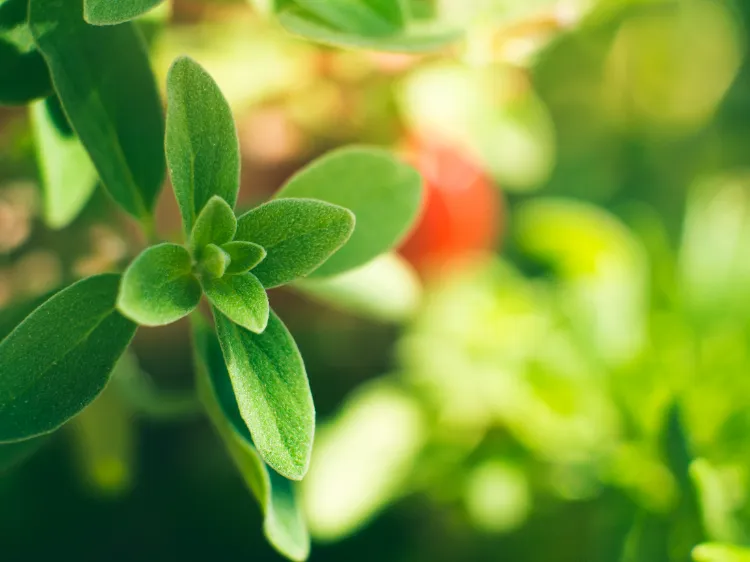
column 213, row 261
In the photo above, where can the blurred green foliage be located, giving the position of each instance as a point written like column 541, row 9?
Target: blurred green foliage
column 583, row 395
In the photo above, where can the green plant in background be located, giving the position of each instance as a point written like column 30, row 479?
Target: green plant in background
column 101, row 119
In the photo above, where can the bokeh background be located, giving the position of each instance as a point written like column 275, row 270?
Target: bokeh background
column 554, row 367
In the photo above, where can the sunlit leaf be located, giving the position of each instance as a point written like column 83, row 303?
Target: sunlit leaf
column 203, row 151
column 107, row 12
column 283, row 525
column 241, row 298
column 385, row 289
column 273, row 393
column 384, row 194
column 244, row 256
column 216, row 224
column 159, row 286
column 297, row 234
column 60, row 358
column 103, row 79
column 361, row 460
column 68, row 176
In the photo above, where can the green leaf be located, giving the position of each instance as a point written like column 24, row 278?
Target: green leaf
column 355, row 16
column 244, row 255
column 107, row 12
column 23, row 72
column 297, row 234
column 203, row 150
column 215, row 224
column 241, row 298
column 159, row 286
column 383, row 193
column 362, row 29
column 272, row 391
column 68, row 176
column 213, row 262
column 283, row 524
column 59, row 359
column 103, row 79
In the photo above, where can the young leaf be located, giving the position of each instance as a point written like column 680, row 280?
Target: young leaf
column 214, row 261
column 103, row 79
column 215, row 224
column 241, row 298
column 383, row 193
column 283, row 524
column 203, row 150
column 23, row 72
column 245, row 256
column 107, row 12
column 68, row 176
column 297, row 234
column 59, row 359
column 272, row 391
column 159, row 286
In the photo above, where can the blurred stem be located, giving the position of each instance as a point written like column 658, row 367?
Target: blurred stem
column 149, row 229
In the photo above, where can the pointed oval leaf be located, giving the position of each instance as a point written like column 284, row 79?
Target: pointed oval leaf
column 60, row 357
column 245, row 256
column 203, row 152
column 107, row 12
column 103, row 79
column 368, row 32
column 23, row 73
column 272, row 391
column 284, row 524
column 68, row 176
column 241, row 298
column 215, row 224
column 297, row 234
column 159, row 286
column 214, row 262
column 384, row 194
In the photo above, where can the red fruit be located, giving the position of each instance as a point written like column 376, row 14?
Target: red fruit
column 462, row 213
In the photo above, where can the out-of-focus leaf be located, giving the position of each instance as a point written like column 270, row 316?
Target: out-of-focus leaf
column 60, row 358
column 272, row 392
column 159, row 286
column 386, row 289
column 106, row 12
column 298, row 235
column 68, row 176
column 719, row 506
column 241, row 298
column 718, row 552
column 203, row 151
column 372, row 24
column 103, row 79
column 477, row 108
column 284, row 525
column 384, row 194
column 714, row 258
column 105, row 438
column 603, row 268
column 361, row 459
column 23, row 72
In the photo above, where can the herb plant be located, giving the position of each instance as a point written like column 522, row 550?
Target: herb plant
column 97, row 116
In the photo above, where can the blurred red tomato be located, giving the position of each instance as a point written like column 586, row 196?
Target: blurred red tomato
column 462, row 213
